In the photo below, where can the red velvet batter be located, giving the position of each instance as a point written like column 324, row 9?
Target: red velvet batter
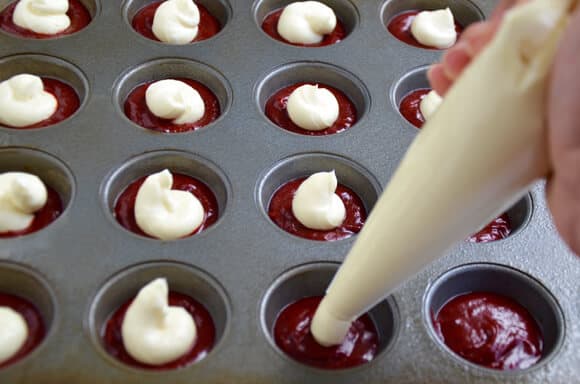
column 498, row 229
column 68, row 103
column 490, row 330
column 278, row 114
column 34, row 321
column 143, row 22
column 136, row 109
column 292, row 335
column 49, row 213
column 125, row 204
column 270, row 26
column 410, row 107
column 280, row 211
column 400, row 27
column 113, row 339
column 78, row 14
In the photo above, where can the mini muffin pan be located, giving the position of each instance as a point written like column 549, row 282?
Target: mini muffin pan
column 244, row 269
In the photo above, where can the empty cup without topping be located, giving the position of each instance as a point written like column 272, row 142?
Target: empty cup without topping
column 504, row 281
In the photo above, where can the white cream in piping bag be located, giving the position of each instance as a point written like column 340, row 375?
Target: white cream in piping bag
column 315, row 205
column 24, row 102
column 306, row 22
column 42, row 16
column 164, row 213
column 430, row 104
column 153, row 332
column 476, row 157
column 21, row 194
column 312, row 108
column 175, row 100
column 176, row 21
column 13, row 333
column 435, row 28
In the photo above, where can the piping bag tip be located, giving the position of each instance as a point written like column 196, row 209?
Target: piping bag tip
column 324, row 334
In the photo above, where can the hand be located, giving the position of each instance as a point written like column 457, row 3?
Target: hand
column 563, row 189
column 562, row 104
column 472, row 41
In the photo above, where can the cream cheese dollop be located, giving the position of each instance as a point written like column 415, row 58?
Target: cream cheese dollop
column 176, row 21
column 429, row 104
column 21, row 194
column 24, row 102
column 312, row 108
column 175, row 100
column 435, row 28
column 316, row 205
column 13, row 333
column 153, row 332
column 306, row 22
column 42, row 16
column 164, row 213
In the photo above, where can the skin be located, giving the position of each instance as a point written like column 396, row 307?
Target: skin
column 563, row 101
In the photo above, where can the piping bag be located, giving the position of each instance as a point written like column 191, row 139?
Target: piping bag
column 477, row 155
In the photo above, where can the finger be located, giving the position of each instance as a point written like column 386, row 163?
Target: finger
column 502, row 7
column 564, row 137
column 565, row 208
column 564, row 94
column 458, row 57
column 473, row 40
column 438, row 80
column 478, row 35
column 456, row 60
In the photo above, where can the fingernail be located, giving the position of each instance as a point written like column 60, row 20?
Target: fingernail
column 456, row 59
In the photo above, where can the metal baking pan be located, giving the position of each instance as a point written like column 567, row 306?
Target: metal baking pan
column 244, row 268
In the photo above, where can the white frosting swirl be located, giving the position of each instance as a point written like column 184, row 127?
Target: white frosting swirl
column 315, row 204
column 176, row 21
column 24, row 102
column 153, row 332
column 306, row 22
column 21, row 194
column 435, row 28
column 175, row 100
column 13, row 333
column 42, row 16
column 429, row 104
column 164, row 213
column 312, row 108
